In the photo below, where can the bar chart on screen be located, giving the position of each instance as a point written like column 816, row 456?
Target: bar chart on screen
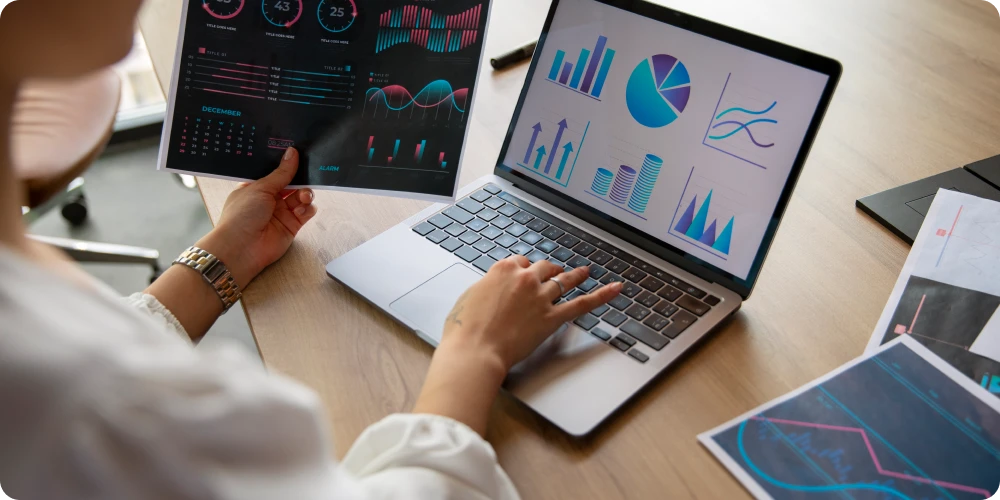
column 627, row 188
column 551, row 147
column 588, row 74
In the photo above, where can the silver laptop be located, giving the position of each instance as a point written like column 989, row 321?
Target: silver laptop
column 658, row 148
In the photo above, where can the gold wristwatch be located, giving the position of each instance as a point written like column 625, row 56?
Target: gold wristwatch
column 215, row 273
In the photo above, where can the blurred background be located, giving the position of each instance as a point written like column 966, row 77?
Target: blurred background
column 128, row 202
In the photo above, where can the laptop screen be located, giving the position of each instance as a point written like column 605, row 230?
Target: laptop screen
column 686, row 139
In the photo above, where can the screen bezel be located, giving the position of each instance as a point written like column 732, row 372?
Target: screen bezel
column 820, row 64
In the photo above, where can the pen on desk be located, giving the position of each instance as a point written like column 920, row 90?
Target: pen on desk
column 513, row 57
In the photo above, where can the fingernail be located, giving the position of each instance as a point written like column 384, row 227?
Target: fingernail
column 312, row 196
column 300, row 210
column 289, row 153
column 616, row 286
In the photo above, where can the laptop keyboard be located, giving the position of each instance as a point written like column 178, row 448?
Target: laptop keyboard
column 653, row 309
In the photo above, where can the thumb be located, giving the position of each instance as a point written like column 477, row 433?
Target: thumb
column 281, row 176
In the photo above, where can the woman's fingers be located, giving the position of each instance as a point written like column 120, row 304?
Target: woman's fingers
column 305, row 212
column 298, row 197
column 569, row 281
column 545, row 270
column 520, row 260
column 277, row 180
column 586, row 303
column 573, row 278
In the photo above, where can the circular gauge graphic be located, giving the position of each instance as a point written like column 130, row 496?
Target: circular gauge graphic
column 222, row 9
column 337, row 16
column 282, row 13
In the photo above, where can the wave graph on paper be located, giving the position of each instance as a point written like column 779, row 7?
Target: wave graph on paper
column 438, row 100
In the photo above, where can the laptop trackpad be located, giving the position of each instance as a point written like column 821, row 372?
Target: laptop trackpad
column 428, row 305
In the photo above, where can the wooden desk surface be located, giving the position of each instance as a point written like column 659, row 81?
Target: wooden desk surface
column 918, row 97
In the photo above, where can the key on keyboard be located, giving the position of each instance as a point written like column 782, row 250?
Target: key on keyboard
column 467, row 254
column 458, row 213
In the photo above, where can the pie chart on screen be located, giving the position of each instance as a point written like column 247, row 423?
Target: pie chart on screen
column 658, row 91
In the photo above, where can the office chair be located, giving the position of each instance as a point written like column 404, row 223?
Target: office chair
column 59, row 128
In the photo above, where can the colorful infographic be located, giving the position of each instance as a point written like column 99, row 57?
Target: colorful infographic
column 743, row 125
column 426, row 28
column 627, row 189
column 438, row 100
column 552, row 147
column 374, row 95
column 640, row 88
column 706, row 214
column 584, row 83
column 900, row 424
column 658, row 91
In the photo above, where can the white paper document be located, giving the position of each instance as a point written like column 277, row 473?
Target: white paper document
column 948, row 293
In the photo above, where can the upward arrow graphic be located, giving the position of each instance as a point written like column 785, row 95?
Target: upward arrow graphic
column 555, row 145
column 531, row 146
column 541, row 154
column 567, row 150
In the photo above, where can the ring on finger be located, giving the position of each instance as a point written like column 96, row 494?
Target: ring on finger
column 562, row 288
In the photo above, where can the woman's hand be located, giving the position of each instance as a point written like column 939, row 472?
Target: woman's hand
column 510, row 312
column 259, row 222
column 495, row 324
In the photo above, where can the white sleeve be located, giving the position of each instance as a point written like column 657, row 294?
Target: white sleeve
column 151, row 306
column 427, row 456
column 132, row 416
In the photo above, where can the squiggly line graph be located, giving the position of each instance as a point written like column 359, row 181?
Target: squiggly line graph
column 742, row 126
column 398, row 98
column 798, row 487
column 874, row 457
column 747, row 111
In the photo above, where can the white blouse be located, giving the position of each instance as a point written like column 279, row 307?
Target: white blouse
column 106, row 399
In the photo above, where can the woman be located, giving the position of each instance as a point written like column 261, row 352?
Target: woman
column 106, row 399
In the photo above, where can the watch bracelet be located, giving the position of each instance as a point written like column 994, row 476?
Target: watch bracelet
column 214, row 272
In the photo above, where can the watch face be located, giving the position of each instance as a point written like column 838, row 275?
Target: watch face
column 337, row 16
column 223, row 9
column 282, row 13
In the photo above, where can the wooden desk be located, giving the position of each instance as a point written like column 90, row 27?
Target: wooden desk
column 919, row 96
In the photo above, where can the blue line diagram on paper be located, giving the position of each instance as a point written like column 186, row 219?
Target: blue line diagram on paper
column 744, row 124
column 550, row 147
column 890, row 427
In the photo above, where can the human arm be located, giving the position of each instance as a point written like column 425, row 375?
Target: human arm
column 258, row 223
column 494, row 325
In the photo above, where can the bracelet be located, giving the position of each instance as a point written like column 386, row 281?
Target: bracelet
column 215, row 273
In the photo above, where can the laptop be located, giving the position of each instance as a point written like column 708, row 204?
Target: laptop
column 660, row 149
